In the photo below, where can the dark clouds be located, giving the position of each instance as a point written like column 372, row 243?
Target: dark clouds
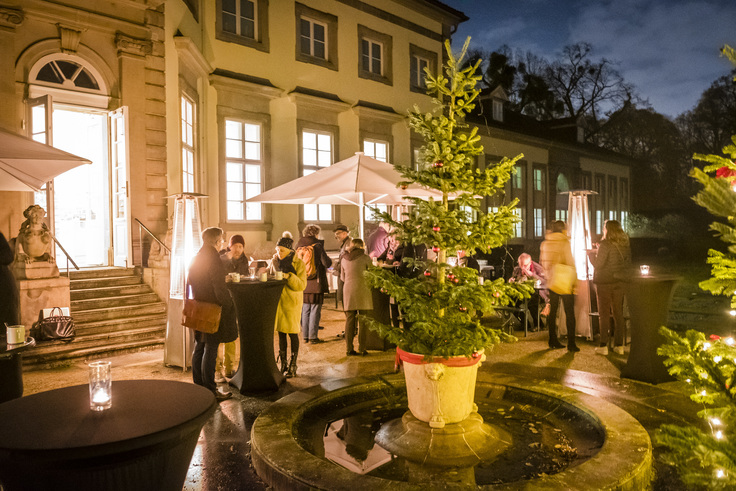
column 669, row 49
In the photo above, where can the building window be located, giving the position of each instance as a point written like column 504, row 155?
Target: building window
column 371, row 56
column 243, row 22
column 243, row 169
column 313, row 38
column 239, row 17
column 419, row 59
column 417, row 72
column 316, row 154
column 561, row 215
column 538, row 222
column 376, row 149
column 538, row 180
column 59, row 72
column 187, row 144
column 498, row 110
column 375, row 55
column 517, row 178
column 518, row 225
column 599, row 221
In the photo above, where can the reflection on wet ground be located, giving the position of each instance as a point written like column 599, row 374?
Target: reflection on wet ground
column 547, row 439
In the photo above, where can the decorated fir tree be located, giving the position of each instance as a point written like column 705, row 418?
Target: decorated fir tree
column 445, row 303
column 706, row 457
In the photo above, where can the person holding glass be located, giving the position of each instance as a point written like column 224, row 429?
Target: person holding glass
column 357, row 298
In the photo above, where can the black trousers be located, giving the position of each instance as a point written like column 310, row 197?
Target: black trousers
column 568, row 302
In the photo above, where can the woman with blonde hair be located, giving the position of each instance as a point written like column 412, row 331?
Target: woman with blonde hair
column 611, row 260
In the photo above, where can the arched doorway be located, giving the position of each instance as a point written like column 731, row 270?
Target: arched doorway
column 87, row 206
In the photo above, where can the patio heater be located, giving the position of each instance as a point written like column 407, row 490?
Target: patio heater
column 578, row 226
column 185, row 243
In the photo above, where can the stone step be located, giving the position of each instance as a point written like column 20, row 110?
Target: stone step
column 142, row 321
column 84, row 341
column 84, row 274
column 105, row 303
column 110, row 291
column 108, row 281
column 49, row 360
column 85, row 316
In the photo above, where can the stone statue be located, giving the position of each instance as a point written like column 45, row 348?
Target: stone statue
column 33, row 247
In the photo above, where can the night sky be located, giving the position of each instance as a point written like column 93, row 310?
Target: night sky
column 668, row 49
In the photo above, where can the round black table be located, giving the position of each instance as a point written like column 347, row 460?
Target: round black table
column 256, row 303
column 53, row 440
column 11, row 368
column 649, row 299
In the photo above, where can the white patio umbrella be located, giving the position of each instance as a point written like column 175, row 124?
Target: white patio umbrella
column 358, row 180
column 26, row 165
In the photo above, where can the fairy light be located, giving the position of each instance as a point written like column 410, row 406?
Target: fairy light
column 719, row 435
column 703, row 393
column 706, row 346
column 717, row 359
column 720, row 473
column 730, row 341
column 704, row 375
column 715, row 421
column 688, row 380
column 732, row 312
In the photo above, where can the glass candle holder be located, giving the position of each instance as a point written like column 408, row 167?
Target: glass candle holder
column 252, row 273
column 644, row 269
column 100, row 385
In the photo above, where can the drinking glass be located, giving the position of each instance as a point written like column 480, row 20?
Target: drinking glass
column 100, row 385
column 252, row 272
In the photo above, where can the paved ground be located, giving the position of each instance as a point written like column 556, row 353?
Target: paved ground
column 222, row 459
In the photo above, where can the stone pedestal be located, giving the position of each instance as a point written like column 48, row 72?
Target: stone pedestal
column 158, row 279
column 37, row 294
column 35, row 270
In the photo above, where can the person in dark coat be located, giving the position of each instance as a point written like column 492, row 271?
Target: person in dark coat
column 207, row 282
column 9, row 299
column 317, row 286
column 358, row 298
column 234, row 261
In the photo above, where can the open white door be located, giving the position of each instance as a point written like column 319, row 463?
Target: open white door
column 40, row 110
column 119, row 182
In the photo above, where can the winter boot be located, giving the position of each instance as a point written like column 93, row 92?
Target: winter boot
column 282, row 358
column 291, row 372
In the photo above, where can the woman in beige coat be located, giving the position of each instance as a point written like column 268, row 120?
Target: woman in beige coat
column 555, row 250
column 289, row 312
column 357, row 297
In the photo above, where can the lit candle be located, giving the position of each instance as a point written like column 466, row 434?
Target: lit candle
column 644, row 269
column 100, row 396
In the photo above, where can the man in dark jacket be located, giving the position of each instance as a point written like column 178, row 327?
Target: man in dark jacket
column 207, row 282
column 8, row 290
column 317, row 286
column 342, row 235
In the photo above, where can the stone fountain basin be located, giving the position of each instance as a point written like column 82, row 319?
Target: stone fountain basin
column 281, row 453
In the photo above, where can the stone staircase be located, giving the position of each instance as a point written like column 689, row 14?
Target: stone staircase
column 114, row 312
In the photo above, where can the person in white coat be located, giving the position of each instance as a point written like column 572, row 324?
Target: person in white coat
column 356, row 294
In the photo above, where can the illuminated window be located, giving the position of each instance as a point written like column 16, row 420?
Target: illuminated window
column 418, row 64
column 518, row 226
column 187, row 145
column 561, row 215
column 517, row 179
column 243, row 169
column 376, row 149
column 316, row 154
column 538, row 222
column 538, row 180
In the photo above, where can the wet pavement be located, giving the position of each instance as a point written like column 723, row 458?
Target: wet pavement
column 222, row 458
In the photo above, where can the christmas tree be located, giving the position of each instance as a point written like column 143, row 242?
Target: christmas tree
column 706, row 457
column 445, row 303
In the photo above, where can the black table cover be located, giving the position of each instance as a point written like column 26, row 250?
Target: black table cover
column 11, row 368
column 256, row 303
column 53, row 440
column 649, row 299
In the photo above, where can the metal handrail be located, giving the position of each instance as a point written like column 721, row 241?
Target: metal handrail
column 142, row 227
column 68, row 257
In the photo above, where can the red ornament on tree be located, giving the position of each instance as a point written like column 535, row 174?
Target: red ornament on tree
column 435, row 249
column 438, row 164
column 456, row 280
column 435, row 228
column 427, row 273
column 726, row 173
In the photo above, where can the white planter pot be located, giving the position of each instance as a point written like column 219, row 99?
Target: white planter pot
column 442, row 391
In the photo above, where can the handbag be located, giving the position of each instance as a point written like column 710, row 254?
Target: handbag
column 200, row 316
column 54, row 327
column 563, row 279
